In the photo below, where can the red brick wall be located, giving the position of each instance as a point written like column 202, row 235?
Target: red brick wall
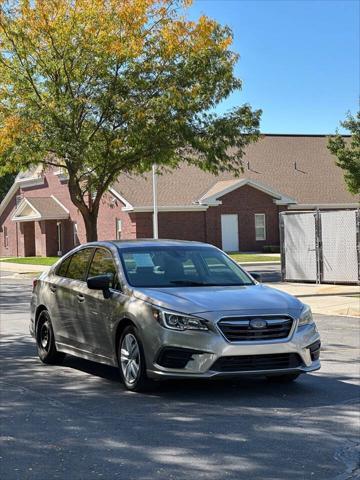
column 245, row 202
column 174, row 225
column 110, row 210
column 5, row 221
column 202, row 226
column 206, row 226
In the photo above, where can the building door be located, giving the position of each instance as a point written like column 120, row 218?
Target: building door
column 29, row 238
column 230, row 233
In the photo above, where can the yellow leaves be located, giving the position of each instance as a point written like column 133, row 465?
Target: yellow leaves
column 182, row 36
column 115, row 27
column 12, row 129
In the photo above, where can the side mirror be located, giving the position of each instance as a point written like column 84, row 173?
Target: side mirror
column 256, row 276
column 100, row 282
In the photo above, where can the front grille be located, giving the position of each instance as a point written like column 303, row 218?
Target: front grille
column 257, row 362
column 240, row 329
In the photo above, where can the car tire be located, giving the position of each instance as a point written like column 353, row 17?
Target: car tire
column 45, row 340
column 286, row 378
column 131, row 360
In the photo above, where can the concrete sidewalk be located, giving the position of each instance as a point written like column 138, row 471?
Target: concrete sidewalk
column 22, row 268
column 325, row 299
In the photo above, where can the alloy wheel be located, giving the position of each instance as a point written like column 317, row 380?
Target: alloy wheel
column 45, row 336
column 130, row 358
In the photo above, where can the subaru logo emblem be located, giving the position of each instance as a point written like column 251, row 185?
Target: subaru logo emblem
column 258, row 323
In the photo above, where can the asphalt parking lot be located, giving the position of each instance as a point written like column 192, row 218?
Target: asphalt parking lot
column 76, row 421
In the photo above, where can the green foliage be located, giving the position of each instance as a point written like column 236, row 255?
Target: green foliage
column 6, row 182
column 271, row 249
column 106, row 87
column 348, row 153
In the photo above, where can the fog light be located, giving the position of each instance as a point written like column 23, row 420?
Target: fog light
column 315, row 350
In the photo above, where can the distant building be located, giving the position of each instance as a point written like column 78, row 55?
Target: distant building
column 281, row 172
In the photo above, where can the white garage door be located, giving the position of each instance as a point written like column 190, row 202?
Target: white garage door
column 230, row 233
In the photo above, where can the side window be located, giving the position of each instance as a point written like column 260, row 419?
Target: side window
column 103, row 264
column 62, row 268
column 260, row 226
column 78, row 264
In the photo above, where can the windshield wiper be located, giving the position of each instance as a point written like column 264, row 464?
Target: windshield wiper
column 191, row 283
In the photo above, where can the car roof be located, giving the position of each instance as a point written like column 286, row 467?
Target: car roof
column 149, row 242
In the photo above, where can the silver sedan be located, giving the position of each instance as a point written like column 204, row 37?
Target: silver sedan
column 161, row 309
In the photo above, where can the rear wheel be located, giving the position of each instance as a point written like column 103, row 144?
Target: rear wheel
column 286, row 378
column 132, row 361
column 45, row 340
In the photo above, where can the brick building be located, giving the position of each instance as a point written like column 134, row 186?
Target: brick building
column 281, row 172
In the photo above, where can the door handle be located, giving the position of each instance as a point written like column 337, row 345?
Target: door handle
column 80, row 297
column 53, row 288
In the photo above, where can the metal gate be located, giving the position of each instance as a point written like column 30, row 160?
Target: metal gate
column 321, row 246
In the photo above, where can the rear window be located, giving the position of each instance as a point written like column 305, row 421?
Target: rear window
column 62, row 268
column 78, row 264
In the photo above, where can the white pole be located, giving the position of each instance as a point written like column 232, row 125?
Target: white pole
column 155, row 206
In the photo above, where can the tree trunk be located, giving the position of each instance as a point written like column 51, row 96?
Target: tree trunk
column 89, row 212
column 90, row 220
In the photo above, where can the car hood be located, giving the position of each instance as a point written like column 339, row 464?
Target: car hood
column 249, row 299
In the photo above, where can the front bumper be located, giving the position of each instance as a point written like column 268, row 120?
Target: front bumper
column 206, row 350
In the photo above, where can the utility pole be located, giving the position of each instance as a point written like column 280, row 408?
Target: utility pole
column 155, row 206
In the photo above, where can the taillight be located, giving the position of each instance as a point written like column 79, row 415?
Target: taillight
column 35, row 282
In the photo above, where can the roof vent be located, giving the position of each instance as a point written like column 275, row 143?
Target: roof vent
column 298, row 169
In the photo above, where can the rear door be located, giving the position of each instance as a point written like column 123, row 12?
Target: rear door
column 69, row 298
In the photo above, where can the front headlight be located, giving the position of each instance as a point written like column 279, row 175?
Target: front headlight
column 306, row 316
column 178, row 321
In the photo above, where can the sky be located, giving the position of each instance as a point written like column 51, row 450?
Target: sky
column 299, row 60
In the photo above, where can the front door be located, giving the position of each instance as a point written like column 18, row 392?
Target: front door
column 230, row 233
column 99, row 314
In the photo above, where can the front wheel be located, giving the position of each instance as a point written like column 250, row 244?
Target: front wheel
column 286, row 378
column 45, row 340
column 132, row 361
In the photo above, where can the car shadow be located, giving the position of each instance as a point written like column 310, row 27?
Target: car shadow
column 77, row 418
column 308, row 391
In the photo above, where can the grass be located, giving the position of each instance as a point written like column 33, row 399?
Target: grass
column 238, row 257
column 31, row 260
column 254, row 257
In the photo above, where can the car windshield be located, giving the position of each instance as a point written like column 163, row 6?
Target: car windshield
column 172, row 266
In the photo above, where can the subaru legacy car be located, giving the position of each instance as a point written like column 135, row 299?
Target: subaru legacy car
column 161, row 309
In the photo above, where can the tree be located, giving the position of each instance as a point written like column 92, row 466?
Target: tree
column 5, row 183
column 102, row 87
column 348, row 153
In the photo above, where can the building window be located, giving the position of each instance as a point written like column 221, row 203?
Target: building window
column 75, row 234
column 118, row 229
column 260, row 226
column 6, row 238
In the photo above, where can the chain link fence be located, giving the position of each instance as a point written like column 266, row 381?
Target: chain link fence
column 320, row 246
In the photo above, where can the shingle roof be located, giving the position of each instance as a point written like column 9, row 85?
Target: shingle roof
column 298, row 166
column 40, row 208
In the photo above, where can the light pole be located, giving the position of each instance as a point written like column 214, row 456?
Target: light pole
column 155, row 206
